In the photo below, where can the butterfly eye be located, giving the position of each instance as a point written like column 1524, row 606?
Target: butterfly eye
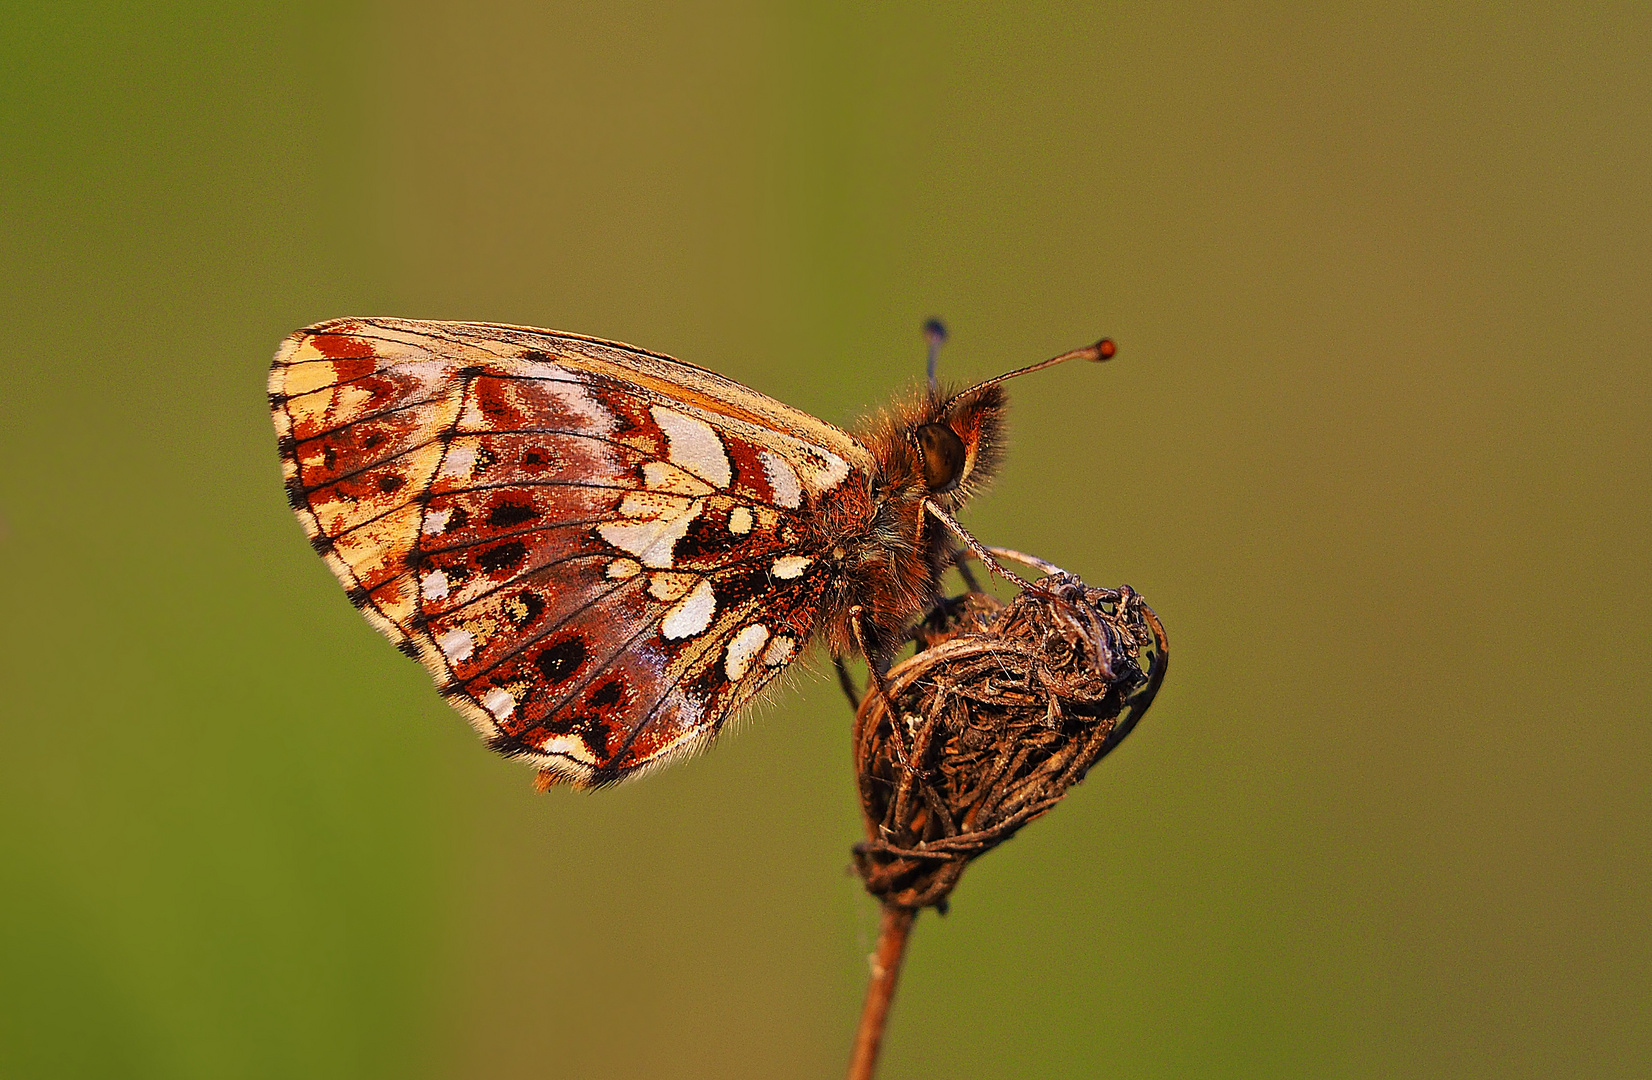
column 943, row 456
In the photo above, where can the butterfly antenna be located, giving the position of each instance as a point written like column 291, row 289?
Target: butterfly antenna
column 935, row 334
column 1100, row 351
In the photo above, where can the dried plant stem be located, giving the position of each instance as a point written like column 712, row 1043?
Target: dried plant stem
column 999, row 712
column 880, row 989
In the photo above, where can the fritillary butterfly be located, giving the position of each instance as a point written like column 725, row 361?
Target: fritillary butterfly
column 599, row 552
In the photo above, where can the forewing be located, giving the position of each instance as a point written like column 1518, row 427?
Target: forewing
column 595, row 550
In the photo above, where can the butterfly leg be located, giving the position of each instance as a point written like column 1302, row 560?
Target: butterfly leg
column 857, row 619
column 909, row 777
column 1041, row 565
column 912, row 782
column 847, row 682
column 977, row 547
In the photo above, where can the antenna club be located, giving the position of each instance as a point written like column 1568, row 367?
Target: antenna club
column 1101, row 350
column 935, row 332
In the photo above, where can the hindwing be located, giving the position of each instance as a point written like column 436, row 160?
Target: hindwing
column 599, row 552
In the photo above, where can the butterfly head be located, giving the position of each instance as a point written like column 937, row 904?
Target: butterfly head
column 954, row 440
column 957, row 441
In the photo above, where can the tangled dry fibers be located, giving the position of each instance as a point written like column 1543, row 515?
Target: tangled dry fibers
column 1000, row 712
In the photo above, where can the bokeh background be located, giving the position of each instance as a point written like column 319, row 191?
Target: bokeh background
column 1376, row 447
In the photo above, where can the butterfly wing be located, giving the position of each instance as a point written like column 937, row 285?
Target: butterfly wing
column 599, row 553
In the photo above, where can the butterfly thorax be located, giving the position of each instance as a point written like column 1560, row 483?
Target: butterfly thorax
column 893, row 553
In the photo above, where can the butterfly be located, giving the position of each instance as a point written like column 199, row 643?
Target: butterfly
column 601, row 553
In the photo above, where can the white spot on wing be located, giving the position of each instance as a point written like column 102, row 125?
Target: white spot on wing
column 692, row 613
column 434, row 586
column 692, row 444
column 782, row 478
column 742, row 648
column 739, row 520
column 499, row 703
column 831, row 470
column 669, row 587
column 622, row 569
column 664, row 476
column 790, row 566
column 435, row 522
column 653, row 541
column 577, row 401
column 456, row 645
column 569, row 746
column 460, row 457
column 780, row 650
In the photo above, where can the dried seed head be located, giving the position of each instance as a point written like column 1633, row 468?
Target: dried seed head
column 1001, row 711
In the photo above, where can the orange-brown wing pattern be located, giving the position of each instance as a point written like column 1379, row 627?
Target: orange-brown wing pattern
column 596, row 551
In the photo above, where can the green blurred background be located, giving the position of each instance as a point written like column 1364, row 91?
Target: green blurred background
column 1376, row 447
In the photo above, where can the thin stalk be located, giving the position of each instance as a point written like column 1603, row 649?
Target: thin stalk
column 880, row 989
